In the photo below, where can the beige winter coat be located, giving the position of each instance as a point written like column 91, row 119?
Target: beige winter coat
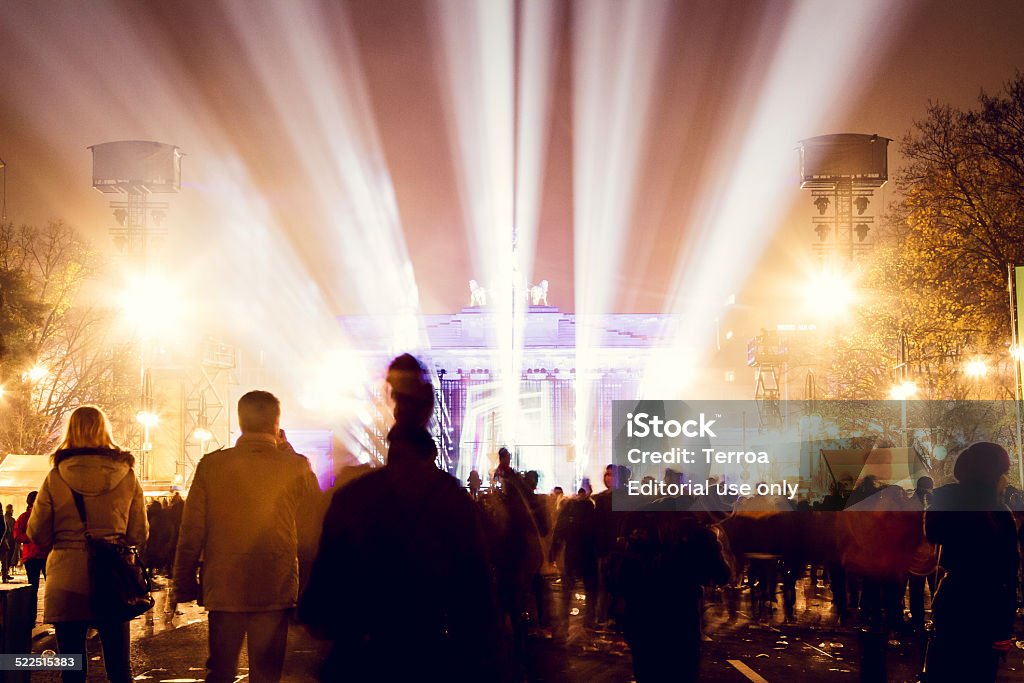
column 114, row 506
column 242, row 519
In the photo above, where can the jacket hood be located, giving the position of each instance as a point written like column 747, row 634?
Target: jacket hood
column 92, row 471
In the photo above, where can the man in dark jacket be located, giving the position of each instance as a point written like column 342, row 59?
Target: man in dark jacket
column 975, row 603
column 401, row 585
column 656, row 580
column 577, row 531
column 8, row 546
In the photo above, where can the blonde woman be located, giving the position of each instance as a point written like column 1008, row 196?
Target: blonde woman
column 89, row 462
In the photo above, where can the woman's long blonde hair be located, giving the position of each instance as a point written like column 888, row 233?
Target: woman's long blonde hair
column 88, row 427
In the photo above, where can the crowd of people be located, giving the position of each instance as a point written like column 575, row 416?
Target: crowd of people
column 469, row 580
column 164, row 517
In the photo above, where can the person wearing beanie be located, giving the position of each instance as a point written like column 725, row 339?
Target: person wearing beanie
column 401, row 585
column 975, row 603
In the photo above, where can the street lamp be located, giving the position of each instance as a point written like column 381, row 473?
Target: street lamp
column 976, row 368
column 203, row 436
column 901, row 392
column 36, row 373
column 147, row 420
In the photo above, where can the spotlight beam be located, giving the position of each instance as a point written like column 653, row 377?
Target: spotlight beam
column 499, row 131
column 744, row 196
column 616, row 51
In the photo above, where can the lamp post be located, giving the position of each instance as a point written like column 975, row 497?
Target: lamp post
column 148, row 420
column 203, row 436
column 976, row 369
column 154, row 308
column 901, row 392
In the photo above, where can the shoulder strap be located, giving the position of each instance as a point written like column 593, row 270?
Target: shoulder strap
column 80, row 504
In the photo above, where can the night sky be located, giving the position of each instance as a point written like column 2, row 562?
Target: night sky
column 223, row 82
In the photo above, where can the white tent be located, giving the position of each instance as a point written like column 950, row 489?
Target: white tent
column 21, row 473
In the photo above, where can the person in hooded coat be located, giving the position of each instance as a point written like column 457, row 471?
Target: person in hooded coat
column 401, row 584
column 89, row 462
column 976, row 601
column 32, row 556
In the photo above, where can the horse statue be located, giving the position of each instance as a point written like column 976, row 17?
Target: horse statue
column 539, row 294
column 477, row 294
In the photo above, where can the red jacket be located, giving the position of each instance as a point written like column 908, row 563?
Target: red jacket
column 29, row 550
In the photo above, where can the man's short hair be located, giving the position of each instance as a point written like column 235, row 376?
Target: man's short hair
column 259, row 411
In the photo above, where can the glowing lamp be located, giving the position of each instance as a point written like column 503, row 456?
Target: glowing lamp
column 202, row 434
column 901, row 392
column 36, row 373
column 147, row 419
column 976, row 369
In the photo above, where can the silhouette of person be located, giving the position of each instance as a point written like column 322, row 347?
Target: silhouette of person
column 975, row 603
column 401, row 585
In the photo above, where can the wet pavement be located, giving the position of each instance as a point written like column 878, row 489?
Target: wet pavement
column 170, row 648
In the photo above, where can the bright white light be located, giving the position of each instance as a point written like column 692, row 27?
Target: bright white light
column 976, row 368
column 336, row 385
column 479, row 42
column 36, row 373
column 202, row 434
column 147, row 419
column 901, row 392
column 152, row 305
column 1017, row 353
column 616, row 50
column 830, row 294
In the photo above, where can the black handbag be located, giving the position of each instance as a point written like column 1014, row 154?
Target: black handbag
column 119, row 582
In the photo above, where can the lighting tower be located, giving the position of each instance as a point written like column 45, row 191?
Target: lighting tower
column 134, row 170
column 842, row 172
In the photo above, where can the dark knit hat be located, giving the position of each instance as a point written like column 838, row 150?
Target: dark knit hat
column 983, row 462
